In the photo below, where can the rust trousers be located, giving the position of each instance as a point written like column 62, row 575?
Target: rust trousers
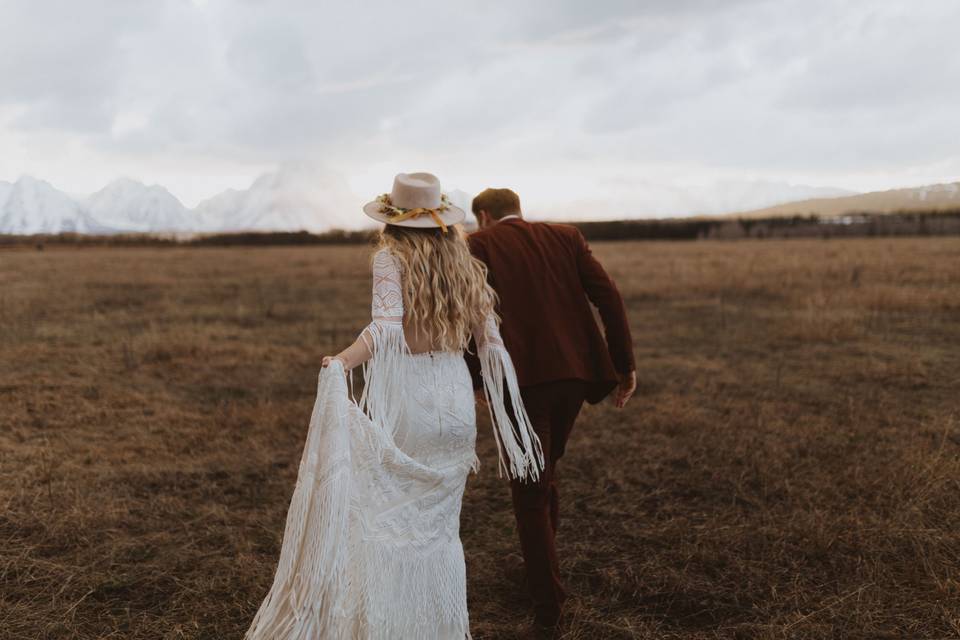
column 553, row 408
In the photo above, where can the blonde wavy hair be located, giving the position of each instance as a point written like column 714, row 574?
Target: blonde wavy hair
column 445, row 289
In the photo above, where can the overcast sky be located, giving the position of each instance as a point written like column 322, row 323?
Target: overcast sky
column 581, row 106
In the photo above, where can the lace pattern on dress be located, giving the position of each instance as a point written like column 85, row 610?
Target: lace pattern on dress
column 387, row 301
column 384, row 372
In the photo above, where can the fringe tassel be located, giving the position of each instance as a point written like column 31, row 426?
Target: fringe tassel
column 384, row 374
column 518, row 443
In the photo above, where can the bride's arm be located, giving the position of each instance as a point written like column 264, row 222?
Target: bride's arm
column 516, row 439
column 386, row 311
column 353, row 356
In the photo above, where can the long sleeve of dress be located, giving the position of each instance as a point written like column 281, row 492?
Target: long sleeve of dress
column 518, row 446
column 384, row 338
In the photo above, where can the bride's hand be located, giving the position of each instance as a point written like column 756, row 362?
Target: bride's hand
column 328, row 359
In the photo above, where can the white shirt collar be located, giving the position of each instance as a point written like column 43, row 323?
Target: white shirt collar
column 512, row 215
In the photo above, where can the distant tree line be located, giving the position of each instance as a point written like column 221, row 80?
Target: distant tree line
column 667, row 229
column 859, row 224
column 848, row 225
column 249, row 238
column 337, row 236
column 862, row 224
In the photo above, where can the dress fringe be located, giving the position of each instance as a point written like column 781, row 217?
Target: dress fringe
column 517, row 442
column 384, row 374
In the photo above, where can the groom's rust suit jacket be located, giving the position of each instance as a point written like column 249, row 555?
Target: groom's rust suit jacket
column 546, row 279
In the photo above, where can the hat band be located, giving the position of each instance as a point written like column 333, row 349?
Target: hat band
column 399, row 214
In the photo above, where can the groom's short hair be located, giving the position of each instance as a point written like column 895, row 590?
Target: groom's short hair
column 496, row 202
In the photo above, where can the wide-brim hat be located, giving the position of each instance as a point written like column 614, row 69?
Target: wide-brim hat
column 415, row 201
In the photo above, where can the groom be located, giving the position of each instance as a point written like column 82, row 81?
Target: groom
column 546, row 279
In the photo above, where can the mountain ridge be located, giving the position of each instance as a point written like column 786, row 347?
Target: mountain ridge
column 32, row 206
column 302, row 197
column 130, row 205
column 939, row 196
column 295, row 197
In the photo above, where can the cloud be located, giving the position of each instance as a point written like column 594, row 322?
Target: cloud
column 533, row 93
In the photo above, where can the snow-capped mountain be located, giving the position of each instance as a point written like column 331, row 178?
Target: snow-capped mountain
column 128, row 205
column 31, row 206
column 215, row 212
column 461, row 199
column 5, row 189
column 297, row 197
column 305, row 197
column 294, row 198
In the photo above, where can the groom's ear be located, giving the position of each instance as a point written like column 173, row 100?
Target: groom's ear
column 484, row 219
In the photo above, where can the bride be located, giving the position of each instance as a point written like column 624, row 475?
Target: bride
column 371, row 548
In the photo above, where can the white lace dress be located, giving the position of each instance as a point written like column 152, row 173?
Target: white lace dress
column 371, row 548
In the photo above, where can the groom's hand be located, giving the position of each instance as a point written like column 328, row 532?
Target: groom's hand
column 626, row 388
column 480, row 396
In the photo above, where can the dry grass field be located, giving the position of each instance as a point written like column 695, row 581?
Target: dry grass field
column 789, row 469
